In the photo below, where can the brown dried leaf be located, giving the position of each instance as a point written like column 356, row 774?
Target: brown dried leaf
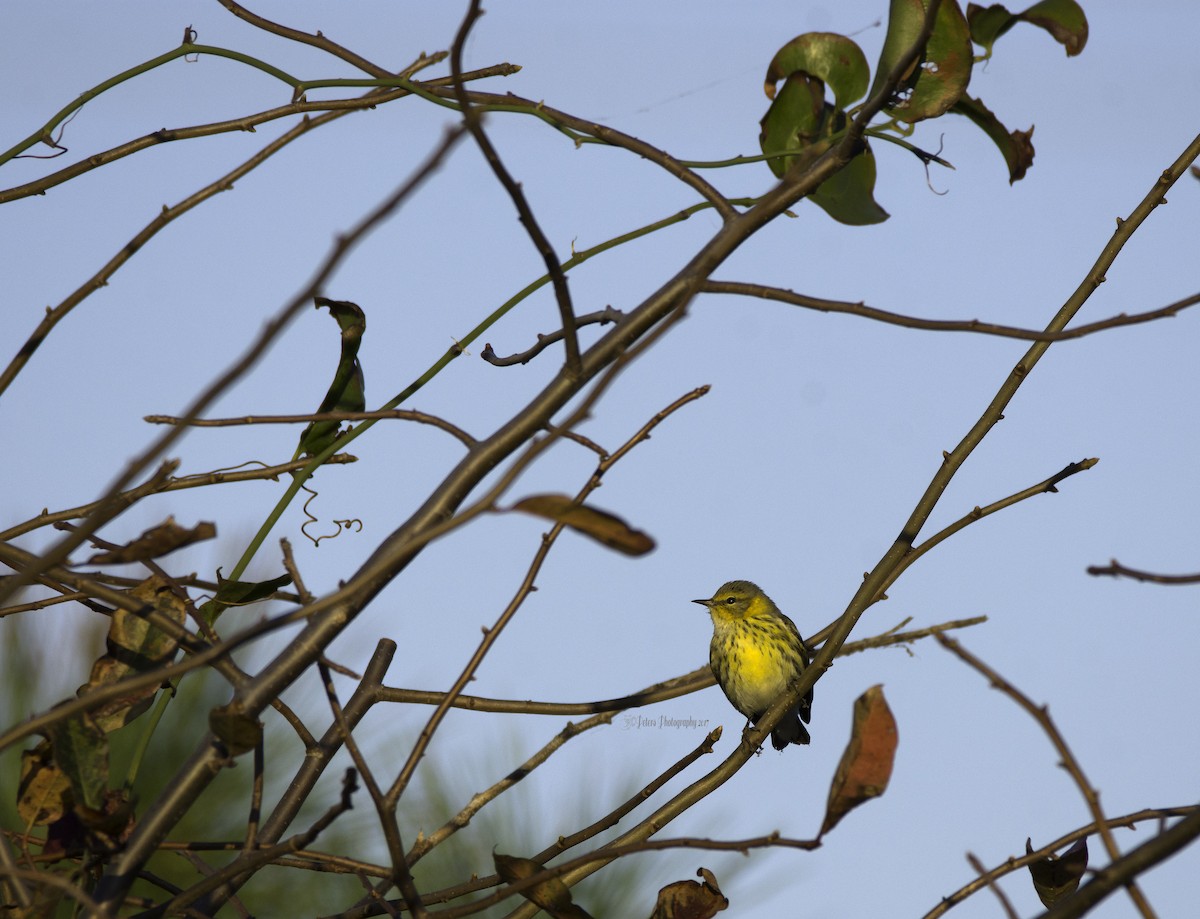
column 44, row 792
column 866, row 764
column 134, row 646
column 552, row 895
column 155, row 542
column 690, row 899
column 601, row 526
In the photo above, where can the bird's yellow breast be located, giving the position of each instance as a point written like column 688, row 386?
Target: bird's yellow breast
column 756, row 665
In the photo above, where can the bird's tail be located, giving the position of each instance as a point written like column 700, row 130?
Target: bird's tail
column 789, row 731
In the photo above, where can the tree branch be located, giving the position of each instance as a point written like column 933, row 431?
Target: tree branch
column 1015, row 862
column 1041, row 715
column 403, row 414
column 258, row 347
column 1117, row 570
column 562, row 293
column 764, row 292
column 606, row 315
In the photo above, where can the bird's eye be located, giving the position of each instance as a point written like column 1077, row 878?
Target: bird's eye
column 731, row 600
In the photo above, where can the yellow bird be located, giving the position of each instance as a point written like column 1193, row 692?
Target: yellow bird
column 756, row 654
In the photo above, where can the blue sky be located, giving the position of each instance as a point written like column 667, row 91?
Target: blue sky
column 796, row 471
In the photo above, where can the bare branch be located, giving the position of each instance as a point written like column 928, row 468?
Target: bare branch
column 474, row 124
column 1044, row 487
column 764, row 292
column 1016, row 862
column 608, row 314
column 682, row 685
column 527, row 585
column 1117, row 570
column 610, row 853
column 266, row 855
column 245, row 123
column 258, row 347
column 423, row 845
column 1041, row 714
column 991, row 885
column 402, row 414
column 162, row 482
column 1121, row 872
column 583, row 131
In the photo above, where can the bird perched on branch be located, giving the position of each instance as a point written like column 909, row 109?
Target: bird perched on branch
column 756, row 654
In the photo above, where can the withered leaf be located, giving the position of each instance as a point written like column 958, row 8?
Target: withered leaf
column 155, row 542
column 601, row 526
column 866, row 764
column 552, row 895
column 134, row 646
column 690, row 899
column 44, row 791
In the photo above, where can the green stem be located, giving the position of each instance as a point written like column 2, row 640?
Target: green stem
column 148, row 726
column 44, row 133
column 578, row 258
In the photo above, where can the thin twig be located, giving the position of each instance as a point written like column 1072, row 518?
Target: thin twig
column 43, row 603
column 162, row 482
column 765, row 292
column 342, row 246
column 244, row 123
column 583, row 131
column 50, row 879
column 424, row 844
column 1117, row 570
column 403, row 414
column 1016, row 862
column 1121, row 873
column 401, row 873
column 1048, row 486
column 474, row 124
column 606, row 315
column 264, row 855
column 682, row 685
column 1041, row 715
column 992, row 886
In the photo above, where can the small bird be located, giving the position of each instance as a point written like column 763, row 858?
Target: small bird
column 756, row 653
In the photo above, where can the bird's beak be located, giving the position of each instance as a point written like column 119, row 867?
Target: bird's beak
column 703, row 602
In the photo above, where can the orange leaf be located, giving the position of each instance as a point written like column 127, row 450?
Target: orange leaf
column 866, row 765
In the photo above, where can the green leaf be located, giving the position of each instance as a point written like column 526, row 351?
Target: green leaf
column 848, row 195
column 238, row 730
column 240, row 593
column 347, row 392
column 80, row 750
column 134, row 646
column 793, row 122
column 940, row 74
column 1016, row 146
column 1064, row 20
column 1055, row 876
column 601, row 526
column 834, row 59
column 988, row 23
